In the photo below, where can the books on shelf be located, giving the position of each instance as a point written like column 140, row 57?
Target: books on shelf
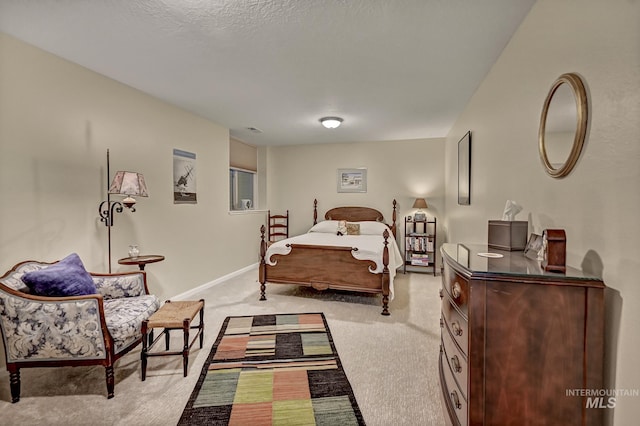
column 418, row 259
column 420, row 243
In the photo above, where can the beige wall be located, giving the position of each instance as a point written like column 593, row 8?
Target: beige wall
column 400, row 170
column 598, row 203
column 56, row 122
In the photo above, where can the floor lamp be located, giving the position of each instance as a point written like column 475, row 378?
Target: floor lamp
column 128, row 184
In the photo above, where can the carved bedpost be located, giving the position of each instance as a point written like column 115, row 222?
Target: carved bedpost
column 385, row 274
column 262, row 274
column 315, row 211
column 393, row 227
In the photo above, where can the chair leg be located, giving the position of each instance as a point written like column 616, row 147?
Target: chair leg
column 185, row 350
column 202, row 324
column 147, row 340
column 110, row 380
column 14, row 381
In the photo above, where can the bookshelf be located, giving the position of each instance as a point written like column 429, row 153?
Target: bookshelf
column 420, row 243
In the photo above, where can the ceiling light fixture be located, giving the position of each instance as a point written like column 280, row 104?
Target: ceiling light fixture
column 331, row 122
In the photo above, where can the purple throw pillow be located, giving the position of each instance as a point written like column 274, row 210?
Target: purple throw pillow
column 65, row 278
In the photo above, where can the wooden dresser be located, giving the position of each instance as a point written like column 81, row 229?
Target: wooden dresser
column 515, row 340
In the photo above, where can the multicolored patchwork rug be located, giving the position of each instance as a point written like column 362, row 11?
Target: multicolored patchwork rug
column 273, row 370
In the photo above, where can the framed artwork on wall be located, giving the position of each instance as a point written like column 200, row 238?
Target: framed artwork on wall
column 184, row 177
column 352, row 180
column 464, row 169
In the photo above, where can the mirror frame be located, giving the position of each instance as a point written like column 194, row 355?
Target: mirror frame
column 582, row 108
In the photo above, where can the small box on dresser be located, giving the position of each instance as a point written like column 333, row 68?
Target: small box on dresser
column 508, row 234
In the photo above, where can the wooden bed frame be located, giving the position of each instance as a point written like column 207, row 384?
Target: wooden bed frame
column 324, row 267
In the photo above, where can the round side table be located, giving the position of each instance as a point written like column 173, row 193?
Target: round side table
column 141, row 261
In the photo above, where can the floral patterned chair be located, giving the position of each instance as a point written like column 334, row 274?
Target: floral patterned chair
column 91, row 329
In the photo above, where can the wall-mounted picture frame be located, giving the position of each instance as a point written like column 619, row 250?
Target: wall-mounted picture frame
column 352, row 180
column 184, row 177
column 464, row 169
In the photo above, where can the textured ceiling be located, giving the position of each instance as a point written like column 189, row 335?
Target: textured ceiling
column 393, row 69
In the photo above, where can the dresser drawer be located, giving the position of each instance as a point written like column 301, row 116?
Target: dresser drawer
column 457, row 287
column 457, row 361
column 454, row 399
column 456, row 325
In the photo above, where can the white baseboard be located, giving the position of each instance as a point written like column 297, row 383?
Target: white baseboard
column 189, row 294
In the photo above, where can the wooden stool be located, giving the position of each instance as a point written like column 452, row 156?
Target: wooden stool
column 172, row 316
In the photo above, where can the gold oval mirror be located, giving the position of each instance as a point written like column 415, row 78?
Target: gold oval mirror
column 563, row 125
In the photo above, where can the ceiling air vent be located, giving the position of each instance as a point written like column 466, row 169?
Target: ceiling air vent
column 254, row 129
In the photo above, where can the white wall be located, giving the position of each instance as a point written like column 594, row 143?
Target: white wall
column 598, row 203
column 57, row 120
column 400, row 170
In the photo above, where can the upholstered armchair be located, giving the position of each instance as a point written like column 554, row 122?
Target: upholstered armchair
column 89, row 329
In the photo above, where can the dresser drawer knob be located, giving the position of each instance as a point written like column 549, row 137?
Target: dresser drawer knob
column 456, row 364
column 440, row 293
column 456, row 290
column 456, row 400
column 457, row 330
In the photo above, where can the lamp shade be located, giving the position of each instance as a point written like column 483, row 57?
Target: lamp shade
column 128, row 183
column 420, row 203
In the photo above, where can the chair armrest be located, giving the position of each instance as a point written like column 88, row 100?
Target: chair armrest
column 125, row 284
column 37, row 328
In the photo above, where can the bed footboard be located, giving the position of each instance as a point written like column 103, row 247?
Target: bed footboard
column 324, row 267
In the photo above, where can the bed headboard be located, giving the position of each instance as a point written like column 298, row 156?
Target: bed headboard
column 355, row 214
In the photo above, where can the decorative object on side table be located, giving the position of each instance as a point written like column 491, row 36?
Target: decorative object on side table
column 133, row 251
column 129, row 184
column 554, row 243
column 533, row 250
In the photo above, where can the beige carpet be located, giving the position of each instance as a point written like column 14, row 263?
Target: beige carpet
column 391, row 362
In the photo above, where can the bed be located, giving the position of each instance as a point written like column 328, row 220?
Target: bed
column 363, row 260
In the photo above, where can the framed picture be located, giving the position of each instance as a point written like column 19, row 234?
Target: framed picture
column 352, row 180
column 463, row 255
column 184, row 177
column 464, row 169
column 534, row 247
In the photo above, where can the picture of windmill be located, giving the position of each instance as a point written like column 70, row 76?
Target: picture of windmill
column 184, row 177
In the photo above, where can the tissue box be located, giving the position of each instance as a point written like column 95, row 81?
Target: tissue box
column 508, row 234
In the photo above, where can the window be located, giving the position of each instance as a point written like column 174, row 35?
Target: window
column 243, row 177
column 242, row 184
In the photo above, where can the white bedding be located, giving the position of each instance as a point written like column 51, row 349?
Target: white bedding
column 370, row 245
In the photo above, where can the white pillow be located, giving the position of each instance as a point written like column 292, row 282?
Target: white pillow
column 326, row 227
column 373, row 228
